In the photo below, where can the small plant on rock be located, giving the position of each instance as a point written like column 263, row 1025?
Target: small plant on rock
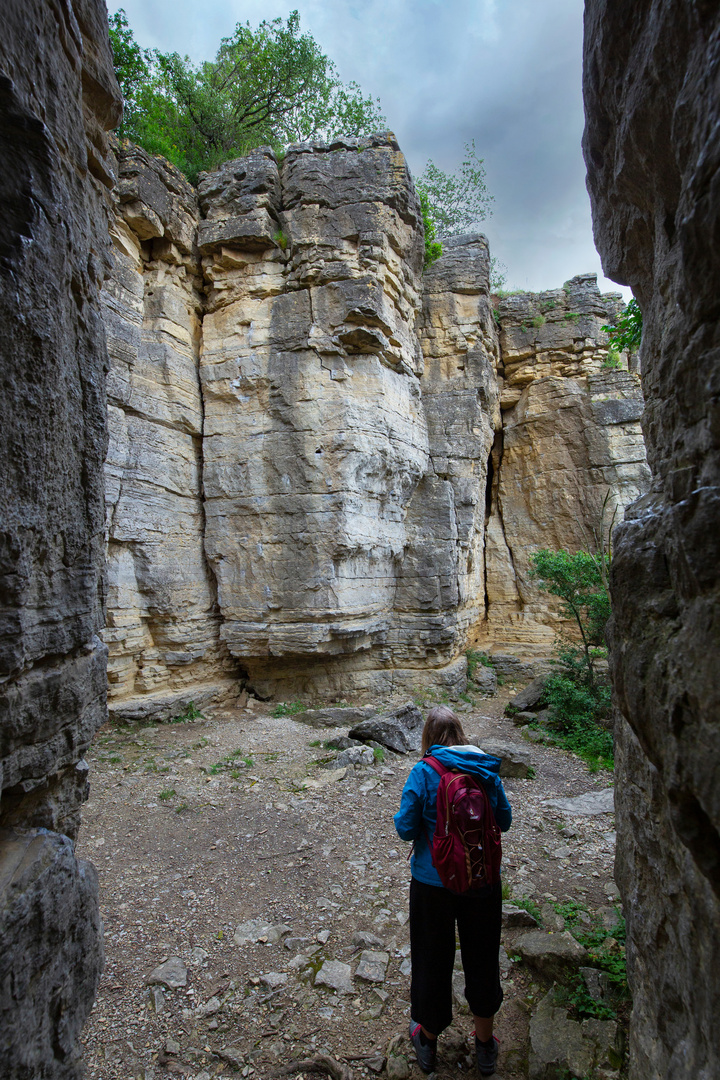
column 288, row 708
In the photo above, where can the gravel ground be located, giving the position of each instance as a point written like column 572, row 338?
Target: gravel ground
column 198, row 827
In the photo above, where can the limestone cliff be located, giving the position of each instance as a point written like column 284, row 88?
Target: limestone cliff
column 162, row 620
column 652, row 97
column 570, row 435
column 327, row 470
column 58, row 96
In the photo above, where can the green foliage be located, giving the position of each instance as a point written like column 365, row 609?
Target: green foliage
column 288, row 708
column 433, row 248
column 281, row 239
column 572, row 316
column 578, row 699
column 580, row 582
column 498, row 275
column 626, row 334
column 168, row 793
column 539, row 321
column 378, row 754
column 476, row 659
column 606, row 951
column 455, row 201
column 612, row 360
column 191, row 713
column 266, row 87
column 530, row 906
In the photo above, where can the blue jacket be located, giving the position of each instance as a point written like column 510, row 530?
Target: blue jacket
column 418, row 805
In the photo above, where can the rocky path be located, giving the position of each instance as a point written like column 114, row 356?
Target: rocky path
column 265, row 885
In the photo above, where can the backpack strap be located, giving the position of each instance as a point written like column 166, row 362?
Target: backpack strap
column 433, row 762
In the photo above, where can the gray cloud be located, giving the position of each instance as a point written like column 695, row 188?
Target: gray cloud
column 505, row 73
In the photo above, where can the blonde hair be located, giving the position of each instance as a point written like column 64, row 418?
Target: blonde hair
column 442, row 728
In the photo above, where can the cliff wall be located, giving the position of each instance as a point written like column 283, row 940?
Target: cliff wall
column 328, row 469
column 59, row 96
column 652, row 94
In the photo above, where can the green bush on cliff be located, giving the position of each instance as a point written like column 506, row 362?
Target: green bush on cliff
column 626, row 334
column 268, row 86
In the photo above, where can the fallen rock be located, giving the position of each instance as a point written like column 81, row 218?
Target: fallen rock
column 156, row 999
column 590, row 804
column 366, row 940
column 597, row 982
column 516, row 760
column 399, row 730
column 172, row 974
column 520, row 719
column 559, row 1045
column 551, row 919
column 354, row 755
column 341, row 742
column 260, row 930
column 336, row 975
column 397, row 1067
column 513, row 916
column 335, row 716
column 273, row 979
column 372, row 966
column 529, row 697
column 485, row 680
column 551, row 955
column 329, row 776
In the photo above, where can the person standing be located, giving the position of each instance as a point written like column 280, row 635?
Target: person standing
column 435, row 911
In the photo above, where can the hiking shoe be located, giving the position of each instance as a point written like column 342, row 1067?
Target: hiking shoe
column 486, row 1055
column 425, row 1052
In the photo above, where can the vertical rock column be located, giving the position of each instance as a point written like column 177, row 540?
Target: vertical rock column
column 59, row 96
column 570, row 436
column 652, row 100
column 163, row 624
column 315, row 436
column 441, row 584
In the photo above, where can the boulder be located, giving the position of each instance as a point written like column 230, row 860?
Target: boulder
column 528, row 698
column 516, row 760
column 522, row 718
column 591, row 804
column 561, row 1046
column 513, row 916
column 551, row 955
column 354, row 755
column 485, row 680
column 335, row 975
column 372, row 966
column 399, row 730
column 333, row 717
column 172, row 974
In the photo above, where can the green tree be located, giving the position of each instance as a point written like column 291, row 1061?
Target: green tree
column 268, row 86
column 579, row 581
column 456, row 201
column 626, row 334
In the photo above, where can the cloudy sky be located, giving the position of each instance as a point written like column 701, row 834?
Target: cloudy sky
column 506, row 73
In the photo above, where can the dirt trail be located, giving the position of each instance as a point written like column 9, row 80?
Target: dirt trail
column 196, row 828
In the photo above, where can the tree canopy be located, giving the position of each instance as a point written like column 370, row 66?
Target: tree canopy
column 266, row 87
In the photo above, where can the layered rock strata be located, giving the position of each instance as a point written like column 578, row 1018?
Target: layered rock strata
column 652, row 94
column 163, row 621
column 59, row 96
column 569, row 456
column 325, row 468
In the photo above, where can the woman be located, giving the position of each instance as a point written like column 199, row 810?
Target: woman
column 434, row 910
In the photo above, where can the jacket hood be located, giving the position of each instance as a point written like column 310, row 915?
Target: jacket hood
column 468, row 760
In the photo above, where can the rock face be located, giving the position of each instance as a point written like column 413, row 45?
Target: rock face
column 59, row 96
column 311, row 484
column 570, row 435
column 653, row 181
column 163, row 625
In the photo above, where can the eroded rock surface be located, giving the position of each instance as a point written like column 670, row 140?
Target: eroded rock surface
column 653, row 180
column 59, row 96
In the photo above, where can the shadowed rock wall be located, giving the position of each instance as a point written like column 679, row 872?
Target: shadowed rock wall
column 59, row 96
column 652, row 98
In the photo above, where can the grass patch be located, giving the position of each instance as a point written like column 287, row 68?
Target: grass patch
column 168, row 793
column 190, row 714
column 379, row 755
column 288, row 708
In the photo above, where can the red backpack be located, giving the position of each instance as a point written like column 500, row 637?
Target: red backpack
column 466, row 849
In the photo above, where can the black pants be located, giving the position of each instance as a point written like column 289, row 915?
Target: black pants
column 433, row 914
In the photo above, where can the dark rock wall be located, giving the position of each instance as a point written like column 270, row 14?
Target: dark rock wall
column 652, row 97
column 59, row 96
